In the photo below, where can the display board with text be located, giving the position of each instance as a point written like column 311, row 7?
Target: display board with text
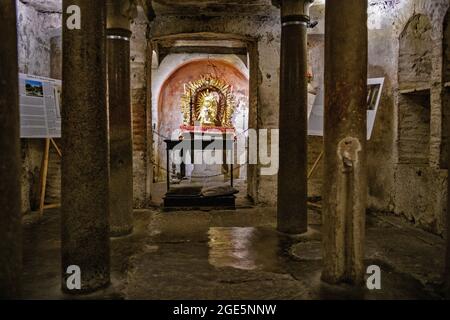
column 40, row 107
column 316, row 115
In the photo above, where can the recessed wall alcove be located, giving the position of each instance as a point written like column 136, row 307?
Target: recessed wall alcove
column 445, row 92
column 415, row 65
column 168, row 114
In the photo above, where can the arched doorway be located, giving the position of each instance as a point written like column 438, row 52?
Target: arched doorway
column 218, row 90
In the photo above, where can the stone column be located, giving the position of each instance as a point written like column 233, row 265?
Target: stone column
column 120, row 120
column 446, row 276
column 10, row 163
column 85, row 186
column 345, row 181
column 445, row 156
column 292, row 175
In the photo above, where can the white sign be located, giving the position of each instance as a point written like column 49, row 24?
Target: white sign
column 315, row 120
column 40, row 107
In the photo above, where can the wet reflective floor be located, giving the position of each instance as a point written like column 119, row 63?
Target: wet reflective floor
column 236, row 255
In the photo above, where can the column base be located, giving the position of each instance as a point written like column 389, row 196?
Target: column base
column 86, row 290
column 340, row 281
column 308, row 235
column 292, row 225
column 337, row 291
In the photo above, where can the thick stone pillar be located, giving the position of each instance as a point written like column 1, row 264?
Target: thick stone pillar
column 344, row 180
column 10, row 163
column 292, row 175
column 120, row 120
column 85, row 187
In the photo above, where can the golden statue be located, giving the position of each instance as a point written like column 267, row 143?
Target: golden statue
column 209, row 101
column 208, row 104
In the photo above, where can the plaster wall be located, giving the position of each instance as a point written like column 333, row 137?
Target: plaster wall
column 39, row 43
column 404, row 175
column 36, row 24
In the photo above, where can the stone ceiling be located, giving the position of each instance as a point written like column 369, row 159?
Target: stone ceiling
column 45, row 5
column 186, row 7
column 213, row 7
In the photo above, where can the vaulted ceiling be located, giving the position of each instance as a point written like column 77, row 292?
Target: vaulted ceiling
column 182, row 7
column 186, row 7
column 212, row 7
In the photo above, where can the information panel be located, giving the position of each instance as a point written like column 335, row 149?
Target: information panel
column 316, row 116
column 40, row 107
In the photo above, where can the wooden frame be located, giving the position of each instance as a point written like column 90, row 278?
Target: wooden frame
column 43, row 176
column 312, row 205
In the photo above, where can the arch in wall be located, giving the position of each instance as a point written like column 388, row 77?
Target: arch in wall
column 250, row 44
column 415, row 61
column 171, row 91
column 170, row 64
column 414, row 75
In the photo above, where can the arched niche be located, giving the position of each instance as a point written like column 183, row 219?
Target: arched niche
column 415, row 62
column 170, row 115
column 445, row 93
column 414, row 74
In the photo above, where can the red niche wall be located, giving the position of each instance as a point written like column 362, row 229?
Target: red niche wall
column 169, row 104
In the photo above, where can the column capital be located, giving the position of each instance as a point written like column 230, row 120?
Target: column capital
column 294, row 11
column 120, row 13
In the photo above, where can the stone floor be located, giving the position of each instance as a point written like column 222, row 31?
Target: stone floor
column 235, row 255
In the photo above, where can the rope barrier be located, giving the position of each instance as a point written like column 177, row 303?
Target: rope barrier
column 160, row 135
column 197, row 177
column 216, row 175
column 167, row 138
column 243, row 132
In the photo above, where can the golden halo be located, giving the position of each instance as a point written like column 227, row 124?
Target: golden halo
column 199, row 93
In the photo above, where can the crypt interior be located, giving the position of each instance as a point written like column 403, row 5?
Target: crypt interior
column 353, row 94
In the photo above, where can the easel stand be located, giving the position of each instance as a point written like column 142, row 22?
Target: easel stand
column 44, row 173
column 310, row 174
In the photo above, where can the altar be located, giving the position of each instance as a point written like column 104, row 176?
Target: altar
column 203, row 175
column 196, row 192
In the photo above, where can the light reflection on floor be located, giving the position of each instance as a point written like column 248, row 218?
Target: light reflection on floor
column 233, row 255
column 243, row 248
column 230, row 247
